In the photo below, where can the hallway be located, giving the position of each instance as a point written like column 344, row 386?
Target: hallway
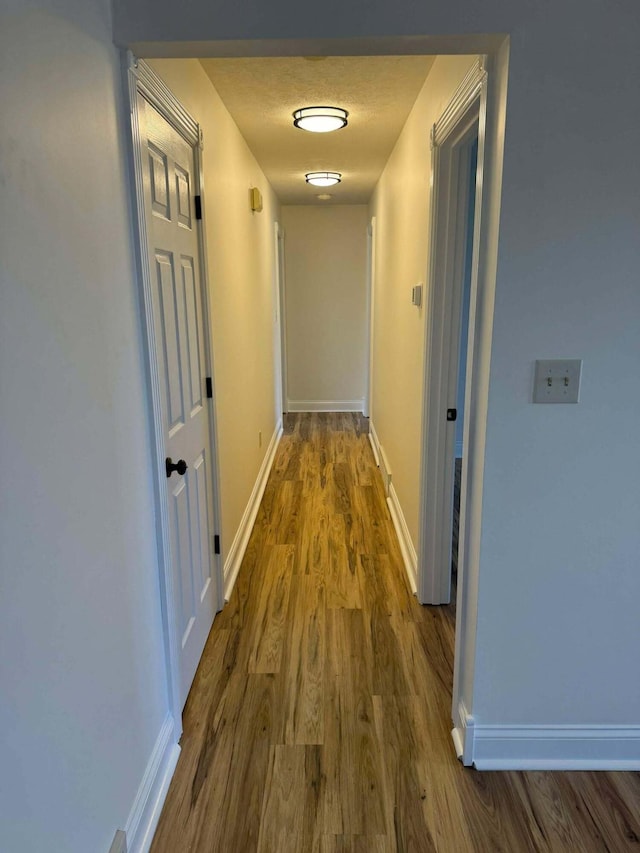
column 319, row 719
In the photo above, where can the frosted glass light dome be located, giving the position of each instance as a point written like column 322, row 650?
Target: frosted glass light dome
column 320, row 119
column 323, row 179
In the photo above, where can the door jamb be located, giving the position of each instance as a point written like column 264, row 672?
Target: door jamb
column 468, row 105
column 371, row 268
column 281, row 308
column 441, row 343
column 140, row 79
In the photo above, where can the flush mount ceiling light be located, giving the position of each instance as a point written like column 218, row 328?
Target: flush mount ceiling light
column 323, row 179
column 320, row 119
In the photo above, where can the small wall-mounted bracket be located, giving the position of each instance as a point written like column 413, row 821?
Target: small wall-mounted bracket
column 255, row 199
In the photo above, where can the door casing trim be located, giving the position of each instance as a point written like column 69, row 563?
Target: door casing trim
column 481, row 97
column 465, row 111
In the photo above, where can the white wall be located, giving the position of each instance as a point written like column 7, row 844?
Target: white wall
column 84, row 693
column 82, row 684
column 561, row 500
column 325, row 274
column 240, row 250
column 558, row 576
column 400, row 204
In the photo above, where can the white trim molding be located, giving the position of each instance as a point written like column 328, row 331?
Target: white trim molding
column 163, row 99
column 375, row 444
column 407, row 547
column 462, row 734
column 463, row 98
column 326, row 405
column 385, row 470
column 548, row 747
column 145, row 812
column 241, row 540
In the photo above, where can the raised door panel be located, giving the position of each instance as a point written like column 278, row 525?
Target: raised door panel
column 159, row 175
column 183, row 196
column 201, row 514
column 192, row 334
column 172, row 373
column 182, row 555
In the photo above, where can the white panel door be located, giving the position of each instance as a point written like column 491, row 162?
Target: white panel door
column 169, row 174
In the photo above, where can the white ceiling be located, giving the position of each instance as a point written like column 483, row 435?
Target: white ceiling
column 262, row 93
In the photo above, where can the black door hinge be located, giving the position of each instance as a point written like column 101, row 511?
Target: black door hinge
column 452, row 414
column 198, row 201
column 209, row 387
column 216, row 544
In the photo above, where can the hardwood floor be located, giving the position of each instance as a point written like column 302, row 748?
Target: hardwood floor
column 319, row 719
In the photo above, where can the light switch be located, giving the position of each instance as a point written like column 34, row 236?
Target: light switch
column 416, row 295
column 557, row 380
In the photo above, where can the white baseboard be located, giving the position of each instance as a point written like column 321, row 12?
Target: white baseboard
column 564, row 747
column 239, row 545
column 409, row 556
column 325, row 405
column 404, row 538
column 375, row 444
column 385, row 471
column 145, row 812
column 462, row 734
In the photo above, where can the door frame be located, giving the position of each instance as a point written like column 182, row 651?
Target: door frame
column 449, row 138
column 478, row 97
column 141, row 79
column 281, row 322
column 370, row 284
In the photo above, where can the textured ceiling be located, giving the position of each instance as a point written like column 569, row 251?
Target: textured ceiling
column 262, row 93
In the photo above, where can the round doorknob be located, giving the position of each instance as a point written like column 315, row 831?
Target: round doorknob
column 180, row 466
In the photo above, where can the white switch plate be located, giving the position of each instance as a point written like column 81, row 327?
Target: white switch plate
column 557, row 380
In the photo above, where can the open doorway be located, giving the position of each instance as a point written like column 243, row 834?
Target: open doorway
column 451, row 371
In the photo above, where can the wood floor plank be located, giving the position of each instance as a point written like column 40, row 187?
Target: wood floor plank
column 283, row 807
column 269, row 629
column 301, row 681
column 312, row 547
column 352, row 761
column 342, row 576
column 407, row 804
column 319, row 718
column 354, row 844
column 237, row 778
